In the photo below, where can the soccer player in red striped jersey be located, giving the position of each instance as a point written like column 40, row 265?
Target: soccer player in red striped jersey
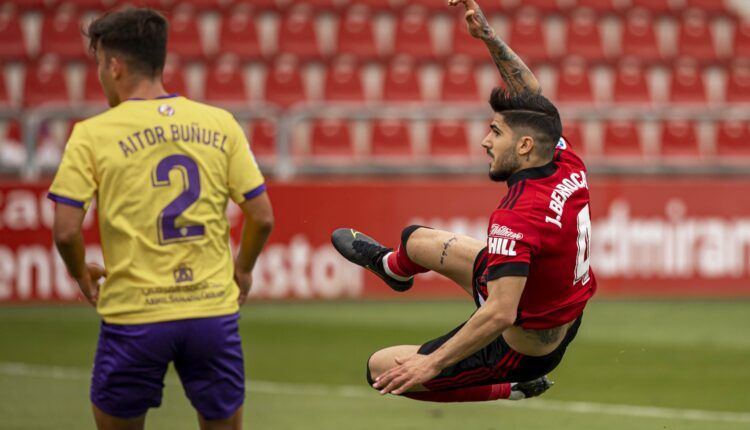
column 530, row 280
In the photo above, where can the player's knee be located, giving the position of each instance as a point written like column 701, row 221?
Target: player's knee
column 375, row 366
column 407, row 232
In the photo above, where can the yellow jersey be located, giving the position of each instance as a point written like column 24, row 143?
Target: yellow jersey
column 161, row 171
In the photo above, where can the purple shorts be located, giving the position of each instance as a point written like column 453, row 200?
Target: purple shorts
column 131, row 361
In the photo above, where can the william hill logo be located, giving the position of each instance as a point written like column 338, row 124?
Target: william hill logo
column 502, row 231
column 183, row 274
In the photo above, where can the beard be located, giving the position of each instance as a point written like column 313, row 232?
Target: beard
column 509, row 164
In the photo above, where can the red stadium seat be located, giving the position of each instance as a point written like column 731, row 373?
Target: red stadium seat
column 11, row 36
column 574, row 83
column 687, row 83
column 713, row 7
column 622, row 139
column 343, row 80
column 4, row 98
column 413, row 34
column 678, row 138
column 544, row 6
column 574, row 136
column 466, row 44
column 331, row 137
column 35, row 5
column 738, row 83
column 401, row 82
column 448, row 138
column 239, row 35
column 92, row 90
column 225, row 83
column 45, row 83
column 631, row 85
column 599, row 6
column 459, row 83
column 388, row 6
column 584, row 37
column 527, row 36
column 696, row 38
column 284, row 85
column 733, row 138
column 262, row 139
column 661, row 7
column 61, row 33
column 260, row 5
column 639, row 37
column 742, row 39
column 184, row 37
column 390, row 138
column 355, row 33
column 172, row 78
column 297, row 34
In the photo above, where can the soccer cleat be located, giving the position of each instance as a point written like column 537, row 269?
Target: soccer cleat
column 365, row 251
column 533, row 388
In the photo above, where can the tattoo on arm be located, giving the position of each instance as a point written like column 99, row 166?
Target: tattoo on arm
column 446, row 245
column 514, row 72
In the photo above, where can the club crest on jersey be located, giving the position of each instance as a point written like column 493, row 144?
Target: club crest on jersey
column 501, row 231
column 166, row 110
column 562, row 144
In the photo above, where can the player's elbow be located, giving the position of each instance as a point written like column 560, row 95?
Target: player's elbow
column 263, row 221
column 502, row 320
column 65, row 235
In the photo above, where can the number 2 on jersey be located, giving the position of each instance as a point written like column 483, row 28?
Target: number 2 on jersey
column 584, row 243
column 167, row 222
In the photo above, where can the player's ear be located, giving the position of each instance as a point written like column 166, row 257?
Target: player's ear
column 525, row 145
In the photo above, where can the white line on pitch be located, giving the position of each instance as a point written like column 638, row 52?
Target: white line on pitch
column 350, row 391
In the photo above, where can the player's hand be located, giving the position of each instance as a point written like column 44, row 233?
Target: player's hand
column 89, row 282
column 245, row 282
column 410, row 371
column 477, row 23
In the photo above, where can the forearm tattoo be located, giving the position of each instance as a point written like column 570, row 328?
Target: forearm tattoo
column 514, row 72
column 446, row 245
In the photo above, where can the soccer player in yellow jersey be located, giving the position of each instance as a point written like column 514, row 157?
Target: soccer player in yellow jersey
column 162, row 169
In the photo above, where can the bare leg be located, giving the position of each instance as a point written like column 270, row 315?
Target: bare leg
column 232, row 423
column 104, row 421
column 451, row 255
column 385, row 359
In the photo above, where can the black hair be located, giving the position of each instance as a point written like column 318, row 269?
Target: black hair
column 139, row 34
column 533, row 113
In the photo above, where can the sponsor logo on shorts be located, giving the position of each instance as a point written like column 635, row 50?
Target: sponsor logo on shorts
column 502, row 231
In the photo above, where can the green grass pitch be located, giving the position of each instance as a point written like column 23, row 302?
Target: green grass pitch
column 635, row 365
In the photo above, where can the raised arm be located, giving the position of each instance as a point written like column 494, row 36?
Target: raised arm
column 517, row 77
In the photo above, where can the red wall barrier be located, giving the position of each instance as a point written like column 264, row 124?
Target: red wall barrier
column 652, row 237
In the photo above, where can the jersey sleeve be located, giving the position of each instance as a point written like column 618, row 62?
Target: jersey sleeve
column 245, row 179
column 76, row 181
column 511, row 241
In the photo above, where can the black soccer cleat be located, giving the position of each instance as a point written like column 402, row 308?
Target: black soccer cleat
column 365, row 251
column 535, row 387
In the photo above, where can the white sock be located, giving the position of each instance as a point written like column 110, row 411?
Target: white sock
column 390, row 273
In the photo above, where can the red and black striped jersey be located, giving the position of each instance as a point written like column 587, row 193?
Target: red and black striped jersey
column 542, row 230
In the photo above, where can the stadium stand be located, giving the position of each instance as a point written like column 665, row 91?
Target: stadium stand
column 448, row 138
column 343, row 80
column 239, row 34
column 733, row 139
column 645, row 57
column 12, row 46
column 390, row 138
column 332, row 138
